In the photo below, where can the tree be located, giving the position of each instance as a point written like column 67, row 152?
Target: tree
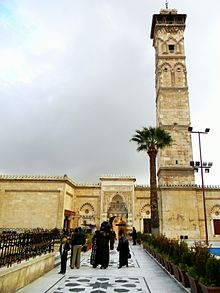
column 150, row 140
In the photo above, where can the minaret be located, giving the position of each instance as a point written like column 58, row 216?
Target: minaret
column 172, row 102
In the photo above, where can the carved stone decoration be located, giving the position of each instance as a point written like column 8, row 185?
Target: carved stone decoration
column 215, row 211
column 169, row 29
column 86, row 209
column 145, row 211
column 86, row 215
column 117, row 206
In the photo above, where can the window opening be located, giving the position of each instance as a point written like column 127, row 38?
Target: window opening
column 171, row 48
column 170, row 20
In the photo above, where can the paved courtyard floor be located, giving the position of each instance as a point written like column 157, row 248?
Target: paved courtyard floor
column 143, row 275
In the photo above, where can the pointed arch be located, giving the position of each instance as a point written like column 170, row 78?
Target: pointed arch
column 86, row 209
column 179, row 74
column 171, row 45
column 171, row 39
column 145, row 210
column 117, row 205
column 117, row 198
column 215, row 211
column 165, row 74
column 180, row 46
column 165, row 64
column 87, row 204
column 179, row 64
column 86, row 215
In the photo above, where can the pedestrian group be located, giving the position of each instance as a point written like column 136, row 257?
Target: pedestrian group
column 100, row 247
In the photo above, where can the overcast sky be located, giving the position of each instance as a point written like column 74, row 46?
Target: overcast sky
column 77, row 80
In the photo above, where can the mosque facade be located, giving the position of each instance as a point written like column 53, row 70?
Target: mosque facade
column 29, row 202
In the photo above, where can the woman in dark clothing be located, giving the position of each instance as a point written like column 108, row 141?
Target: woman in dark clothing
column 103, row 249
column 112, row 239
column 95, row 258
column 123, row 248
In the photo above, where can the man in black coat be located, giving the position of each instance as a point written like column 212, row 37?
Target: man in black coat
column 134, row 236
column 103, row 250
column 123, row 248
column 64, row 248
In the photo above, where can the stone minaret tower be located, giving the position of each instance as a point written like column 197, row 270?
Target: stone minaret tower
column 172, row 102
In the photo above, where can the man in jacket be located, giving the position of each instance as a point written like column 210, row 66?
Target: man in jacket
column 77, row 242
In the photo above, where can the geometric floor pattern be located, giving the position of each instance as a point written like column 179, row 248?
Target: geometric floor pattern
column 101, row 285
column 142, row 275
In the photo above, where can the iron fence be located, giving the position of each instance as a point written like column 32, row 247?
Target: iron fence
column 15, row 247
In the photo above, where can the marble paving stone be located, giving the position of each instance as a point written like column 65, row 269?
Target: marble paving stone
column 143, row 275
column 101, row 284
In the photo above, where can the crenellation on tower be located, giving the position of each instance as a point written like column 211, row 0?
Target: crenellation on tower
column 168, row 11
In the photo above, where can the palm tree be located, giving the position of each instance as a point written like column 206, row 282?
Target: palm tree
column 151, row 140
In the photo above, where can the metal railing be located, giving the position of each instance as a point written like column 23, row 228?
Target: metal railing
column 15, row 247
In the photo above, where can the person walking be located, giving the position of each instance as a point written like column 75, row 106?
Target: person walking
column 123, row 249
column 64, row 248
column 134, row 236
column 78, row 240
column 112, row 239
column 95, row 254
column 120, row 232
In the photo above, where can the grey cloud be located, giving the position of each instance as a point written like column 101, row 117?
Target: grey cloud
column 86, row 99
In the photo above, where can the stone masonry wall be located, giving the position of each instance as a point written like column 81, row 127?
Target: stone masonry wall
column 31, row 204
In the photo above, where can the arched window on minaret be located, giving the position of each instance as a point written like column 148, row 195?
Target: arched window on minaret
column 179, row 75
column 180, row 46
column 171, row 45
column 166, row 80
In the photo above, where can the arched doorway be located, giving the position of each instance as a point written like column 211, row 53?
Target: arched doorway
column 215, row 220
column 120, row 226
column 146, row 219
column 86, row 216
column 117, row 214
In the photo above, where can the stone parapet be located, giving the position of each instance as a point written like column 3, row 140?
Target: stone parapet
column 19, row 275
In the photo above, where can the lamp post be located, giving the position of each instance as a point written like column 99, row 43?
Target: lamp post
column 206, row 166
